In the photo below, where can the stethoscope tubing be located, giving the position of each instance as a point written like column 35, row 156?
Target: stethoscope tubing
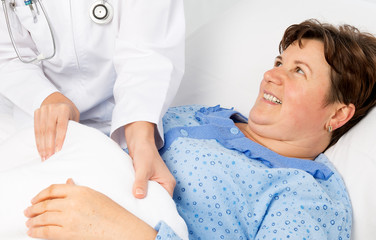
column 40, row 57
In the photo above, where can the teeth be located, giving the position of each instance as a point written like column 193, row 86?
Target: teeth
column 272, row 98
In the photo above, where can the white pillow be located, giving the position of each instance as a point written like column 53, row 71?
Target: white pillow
column 91, row 159
column 355, row 158
column 227, row 55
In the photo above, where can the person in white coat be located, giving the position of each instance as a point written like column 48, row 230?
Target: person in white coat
column 119, row 75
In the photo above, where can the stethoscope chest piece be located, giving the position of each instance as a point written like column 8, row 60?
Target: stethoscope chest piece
column 101, row 12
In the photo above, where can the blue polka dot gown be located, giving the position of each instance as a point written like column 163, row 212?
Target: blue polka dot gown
column 229, row 187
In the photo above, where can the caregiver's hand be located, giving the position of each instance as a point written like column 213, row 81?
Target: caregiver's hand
column 147, row 162
column 68, row 211
column 51, row 123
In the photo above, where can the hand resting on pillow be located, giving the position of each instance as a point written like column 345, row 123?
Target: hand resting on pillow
column 91, row 159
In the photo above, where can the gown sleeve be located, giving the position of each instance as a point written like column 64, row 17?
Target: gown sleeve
column 165, row 232
column 149, row 62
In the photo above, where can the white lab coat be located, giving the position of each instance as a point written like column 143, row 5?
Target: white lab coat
column 128, row 70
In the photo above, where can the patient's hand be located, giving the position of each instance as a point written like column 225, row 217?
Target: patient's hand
column 68, row 211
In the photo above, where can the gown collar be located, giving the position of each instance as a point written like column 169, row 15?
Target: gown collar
column 226, row 118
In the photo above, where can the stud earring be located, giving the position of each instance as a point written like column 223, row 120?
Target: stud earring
column 330, row 129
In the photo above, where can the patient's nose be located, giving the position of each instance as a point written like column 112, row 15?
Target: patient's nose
column 274, row 75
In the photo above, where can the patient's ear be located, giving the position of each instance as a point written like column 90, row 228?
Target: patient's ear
column 342, row 115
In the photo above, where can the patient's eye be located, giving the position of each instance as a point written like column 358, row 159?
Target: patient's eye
column 299, row 70
column 277, row 63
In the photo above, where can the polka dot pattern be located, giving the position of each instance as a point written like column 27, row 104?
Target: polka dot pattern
column 223, row 194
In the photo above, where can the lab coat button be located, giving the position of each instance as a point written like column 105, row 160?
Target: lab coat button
column 234, row 130
column 183, row 132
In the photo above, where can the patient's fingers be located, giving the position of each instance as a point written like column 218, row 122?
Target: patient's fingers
column 45, row 219
column 54, row 205
column 53, row 191
column 46, row 232
column 46, row 226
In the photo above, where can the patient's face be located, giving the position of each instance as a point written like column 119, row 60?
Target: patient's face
column 292, row 94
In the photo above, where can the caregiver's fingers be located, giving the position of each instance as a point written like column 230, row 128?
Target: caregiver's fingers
column 154, row 170
column 163, row 176
column 39, row 130
column 56, row 116
column 169, row 183
column 51, row 119
column 50, row 126
column 61, row 131
column 53, row 191
column 140, row 185
column 45, row 119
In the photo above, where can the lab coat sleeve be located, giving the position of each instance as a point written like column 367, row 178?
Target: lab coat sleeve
column 149, row 61
column 23, row 84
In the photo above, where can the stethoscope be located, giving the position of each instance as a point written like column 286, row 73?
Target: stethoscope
column 101, row 12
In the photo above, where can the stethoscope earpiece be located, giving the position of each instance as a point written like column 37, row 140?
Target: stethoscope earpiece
column 101, row 12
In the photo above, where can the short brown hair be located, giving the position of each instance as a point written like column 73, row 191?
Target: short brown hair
column 352, row 57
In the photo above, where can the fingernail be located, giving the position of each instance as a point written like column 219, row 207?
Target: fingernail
column 139, row 191
column 26, row 212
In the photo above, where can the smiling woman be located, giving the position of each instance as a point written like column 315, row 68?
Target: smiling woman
column 257, row 178
column 300, row 81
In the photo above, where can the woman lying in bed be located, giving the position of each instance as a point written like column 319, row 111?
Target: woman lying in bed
column 260, row 178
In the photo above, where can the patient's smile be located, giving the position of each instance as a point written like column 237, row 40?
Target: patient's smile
column 272, row 98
